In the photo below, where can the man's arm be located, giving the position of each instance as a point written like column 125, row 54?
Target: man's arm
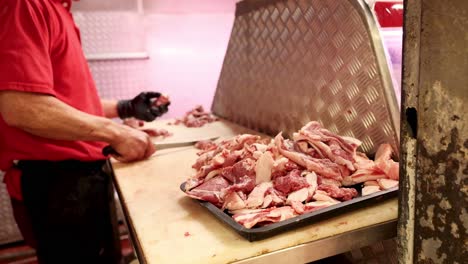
column 48, row 117
column 110, row 108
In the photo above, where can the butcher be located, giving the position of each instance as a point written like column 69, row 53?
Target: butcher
column 53, row 127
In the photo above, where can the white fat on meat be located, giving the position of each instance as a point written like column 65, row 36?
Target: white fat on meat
column 260, row 147
column 298, row 207
column 233, row 201
column 279, row 164
column 272, row 215
column 384, row 152
column 324, row 167
column 277, row 198
column 327, row 181
column 219, row 159
column 263, row 168
column 386, row 184
column 298, row 196
column 361, row 176
column 192, row 183
column 242, row 195
column 317, row 205
column 370, row 189
column 323, row 196
column 311, row 179
column 267, row 201
column 371, row 183
column 255, row 199
column 212, row 174
column 302, row 145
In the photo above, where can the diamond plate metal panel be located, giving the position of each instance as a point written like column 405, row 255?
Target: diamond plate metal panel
column 111, row 32
column 120, row 79
column 9, row 231
column 289, row 62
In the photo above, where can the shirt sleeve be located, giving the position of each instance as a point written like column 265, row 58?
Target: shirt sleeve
column 25, row 63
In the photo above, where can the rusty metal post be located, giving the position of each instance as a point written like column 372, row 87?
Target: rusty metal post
column 433, row 219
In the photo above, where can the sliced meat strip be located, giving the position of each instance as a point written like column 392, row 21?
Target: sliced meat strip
column 311, row 179
column 206, row 145
column 386, row 184
column 322, row 180
column 323, row 196
column 298, row 196
column 210, row 190
column 192, row 183
column 263, row 168
column 323, row 167
column 314, row 206
column 343, row 194
column 293, row 181
column 384, row 152
column 276, row 196
column 255, row 199
column 370, row 189
column 298, row 207
column 233, row 201
column 272, row 216
column 371, row 183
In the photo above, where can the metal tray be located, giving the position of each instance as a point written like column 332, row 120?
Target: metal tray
column 259, row 233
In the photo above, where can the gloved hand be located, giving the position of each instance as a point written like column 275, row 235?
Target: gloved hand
column 143, row 107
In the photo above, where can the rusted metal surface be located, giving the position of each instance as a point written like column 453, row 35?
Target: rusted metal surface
column 434, row 133
column 410, row 82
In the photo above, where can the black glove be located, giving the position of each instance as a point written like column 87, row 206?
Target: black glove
column 141, row 107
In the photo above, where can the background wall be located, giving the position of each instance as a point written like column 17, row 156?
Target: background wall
column 186, row 41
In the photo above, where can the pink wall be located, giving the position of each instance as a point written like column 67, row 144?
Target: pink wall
column 186, row 41
column 186, row 55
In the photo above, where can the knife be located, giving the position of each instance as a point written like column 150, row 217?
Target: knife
column 108, row 150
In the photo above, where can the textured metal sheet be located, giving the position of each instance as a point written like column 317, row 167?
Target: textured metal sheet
column 9, row 231
column 289, row 62
column 114, row 33
column 120, row 79
column 111, row 32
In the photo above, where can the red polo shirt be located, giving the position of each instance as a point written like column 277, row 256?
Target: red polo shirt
column 40, row 52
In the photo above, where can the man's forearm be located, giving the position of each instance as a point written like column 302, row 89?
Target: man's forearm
column 110, row 108
column 48, row 117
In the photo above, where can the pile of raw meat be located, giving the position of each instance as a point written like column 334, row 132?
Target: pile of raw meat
column 261, row 181
column 196, row 117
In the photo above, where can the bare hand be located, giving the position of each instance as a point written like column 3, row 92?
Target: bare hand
column 132, row 145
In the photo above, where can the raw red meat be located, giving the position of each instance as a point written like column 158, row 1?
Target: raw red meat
column 196, row 117
column 342, row 194
column 205, row 145
column 210, row 190
column 256, row 197
column 323, row 167
column 291, row 182
column 367, row 170
column 267, row 215
column 153, row 132
column 233, row 201
column 314, row 206
column 262, row 181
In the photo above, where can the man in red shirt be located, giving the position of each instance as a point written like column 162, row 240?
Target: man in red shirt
column 53, row 128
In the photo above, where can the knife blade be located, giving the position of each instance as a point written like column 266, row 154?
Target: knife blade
column 108, row 150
